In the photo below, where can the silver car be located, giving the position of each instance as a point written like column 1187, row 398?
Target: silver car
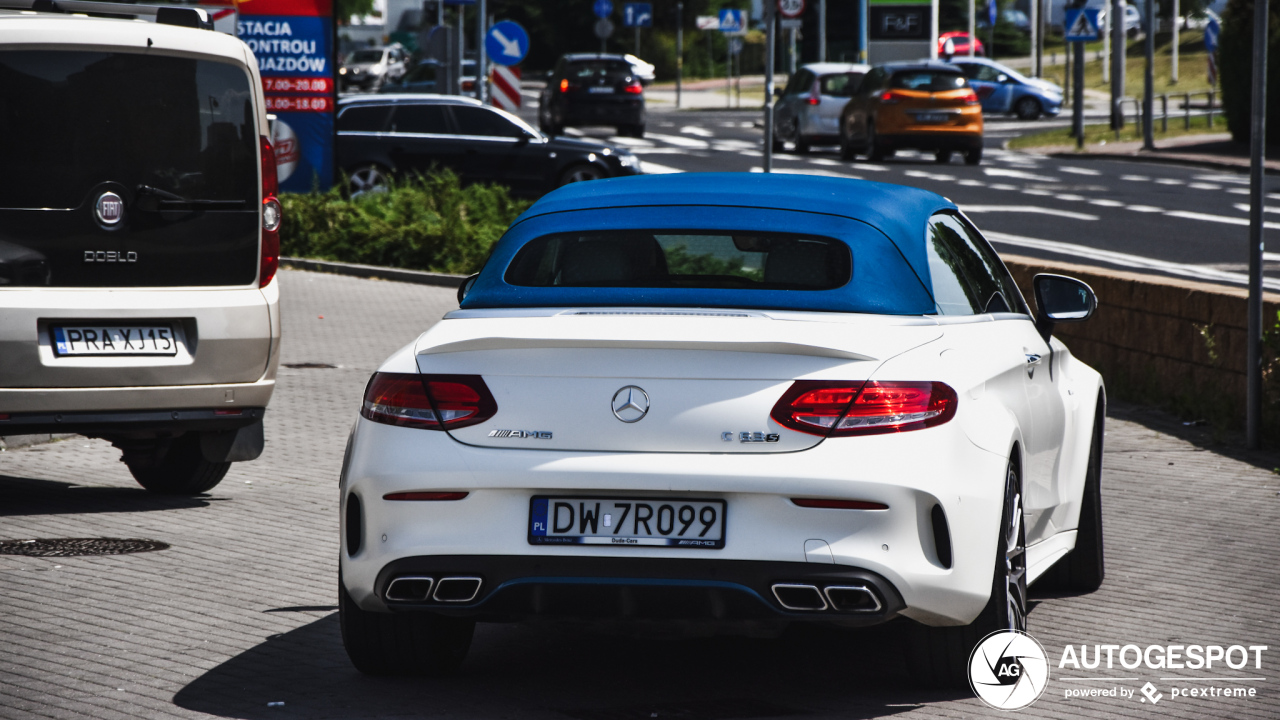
column 139, row 240
column 808, row 109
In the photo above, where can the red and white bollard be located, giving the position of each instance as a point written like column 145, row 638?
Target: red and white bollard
column 504, row 86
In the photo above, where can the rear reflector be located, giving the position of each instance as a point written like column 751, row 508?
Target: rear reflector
column 839, row 504
column 429, row 402
column 839, row 409
column 424, row 496
column 228, row 412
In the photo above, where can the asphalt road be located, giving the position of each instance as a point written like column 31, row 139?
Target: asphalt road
column 237, row 618
column 1175, row 220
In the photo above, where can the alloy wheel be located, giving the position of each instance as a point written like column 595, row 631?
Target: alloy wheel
column 368, row 179
column 1015, row 555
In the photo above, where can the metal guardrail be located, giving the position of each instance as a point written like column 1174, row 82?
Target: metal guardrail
column 1209, row 108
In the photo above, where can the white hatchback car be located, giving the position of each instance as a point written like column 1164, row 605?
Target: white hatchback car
column 139, row 239
column 726, row 397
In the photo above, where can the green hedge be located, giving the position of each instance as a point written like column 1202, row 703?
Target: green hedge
column 423, row 223
column 1235, row 63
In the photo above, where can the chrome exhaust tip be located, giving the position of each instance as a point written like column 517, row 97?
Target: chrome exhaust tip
column 853, row 598
column 457, row 589
column 410, row 588
column 799, row 597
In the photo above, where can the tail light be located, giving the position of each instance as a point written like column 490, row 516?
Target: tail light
column 970, row 98
column 429, row 402
column 828, row 504
column 566, row 87
column 425, row 495
column 271, row 215
column 468, row 85
column 634, row 88
column 814, row 100
column 842, row 409
column 889, row 97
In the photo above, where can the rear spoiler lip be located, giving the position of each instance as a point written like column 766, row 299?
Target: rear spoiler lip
column 747, row 346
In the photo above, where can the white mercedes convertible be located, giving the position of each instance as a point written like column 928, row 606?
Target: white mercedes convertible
column 726, row 397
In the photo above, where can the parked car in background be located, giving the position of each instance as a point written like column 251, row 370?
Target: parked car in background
column 426, row 77
column 808, row 110
column 959, row 44
column 592, row 89
column 370, row 68
column 385, row 135
column 1132, row 20
column 921, row 105
column 139, row 242
column 1002, row 89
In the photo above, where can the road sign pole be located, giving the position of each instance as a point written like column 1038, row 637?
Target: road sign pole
column 1173, row 75
column 973, row 26
column 1257, row 166
column 482, row 59
column 728, row 73
column 679, row 51
column 822, row 31
column 770, row 21
column 1035, row 36
column 864, row 32
column 1118, row 52
column 1077, row 111
column 1148, row 79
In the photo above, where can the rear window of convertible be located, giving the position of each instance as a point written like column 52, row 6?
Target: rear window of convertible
column 679, row 259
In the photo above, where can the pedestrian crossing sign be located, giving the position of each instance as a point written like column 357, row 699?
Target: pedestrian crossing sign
column 1082, row 24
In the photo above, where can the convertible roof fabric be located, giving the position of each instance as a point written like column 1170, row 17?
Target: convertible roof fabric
column 889, row 277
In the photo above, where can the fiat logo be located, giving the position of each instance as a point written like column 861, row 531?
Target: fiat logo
column 109, row 208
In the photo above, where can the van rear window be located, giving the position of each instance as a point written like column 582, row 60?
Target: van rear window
column 72, row 120
column 666, row 259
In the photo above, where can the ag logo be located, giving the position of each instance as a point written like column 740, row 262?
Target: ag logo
column 1008, row 670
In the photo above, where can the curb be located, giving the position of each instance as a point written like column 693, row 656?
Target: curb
column 374, row 272
column 1158, row 159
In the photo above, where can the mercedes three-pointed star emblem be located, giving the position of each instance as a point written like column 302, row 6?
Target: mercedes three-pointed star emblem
column 630, row 404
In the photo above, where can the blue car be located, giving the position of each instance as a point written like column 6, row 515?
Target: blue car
column 1002, row 89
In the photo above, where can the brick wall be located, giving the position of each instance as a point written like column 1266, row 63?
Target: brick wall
column 1145, row 337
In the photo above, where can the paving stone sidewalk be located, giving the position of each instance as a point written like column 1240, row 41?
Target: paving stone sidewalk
column 240, row 612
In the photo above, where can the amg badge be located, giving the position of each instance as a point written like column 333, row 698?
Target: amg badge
column 531, row 434
column 751, row 437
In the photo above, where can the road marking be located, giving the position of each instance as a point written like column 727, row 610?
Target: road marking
column 1103, row 202
column 810, row 171
column 971, row 183
column 736, row 145
column 1169, row 181
column 1002, row 186
column 825, row 161
column 664, row 151
column 1019, row 174
column 1144, row 208
column 1078, row 171
column 1037, row 191
column 1028, row 209
column 651, row 168
column 865, row 166
column 679, row 141
column 1135, row 178
column 1205, row 186
column 1137, row 262
column 695, row 130
column 1072, row 198
column 1244, row 207
column 631, row 142
column 1188, row 215
column 1237, row 179
column 930, row 176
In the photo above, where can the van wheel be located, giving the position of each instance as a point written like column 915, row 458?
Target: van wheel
column 410, row 643
column 174, row 466
column 1083, row 569
column 368, row 179
column 939, row 656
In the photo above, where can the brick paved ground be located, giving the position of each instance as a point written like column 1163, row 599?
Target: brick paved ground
column 240, row 611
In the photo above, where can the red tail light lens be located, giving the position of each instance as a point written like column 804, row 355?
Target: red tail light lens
column 889, row 97
column 633, row 89
column 564, row 86
column 429, row 402
column 429, row 496
column 841, row 409
column 971, row 98
column 271, row 215
column 839, row 504
column 814, row 100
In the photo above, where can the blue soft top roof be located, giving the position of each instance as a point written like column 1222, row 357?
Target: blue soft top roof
column 897, row 212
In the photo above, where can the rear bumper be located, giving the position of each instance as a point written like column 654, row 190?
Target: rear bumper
column 167, row 398
column 513, row 587
column 143, row 422
column 954, row 141
column 630, row 113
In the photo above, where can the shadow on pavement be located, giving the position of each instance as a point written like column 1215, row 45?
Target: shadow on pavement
column 575, row 671
column 30, row 496
column 1226, row 442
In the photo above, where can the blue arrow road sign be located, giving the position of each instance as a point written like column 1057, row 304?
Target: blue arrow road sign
column 1211, row 36
column 637, row 15
column 1081, row 24
column 602, row 8
column 731, row 21
column 506, row 43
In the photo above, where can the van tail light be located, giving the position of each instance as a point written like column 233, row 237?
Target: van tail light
column 842, row 409
column 429, row 402
column 271, row 215
column 634, row 88
column 889, row 97
column 970, row 98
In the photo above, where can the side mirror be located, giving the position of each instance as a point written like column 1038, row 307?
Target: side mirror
column 1002, row 78
column 777, row 92
column 466, row 286
column 1061, row 299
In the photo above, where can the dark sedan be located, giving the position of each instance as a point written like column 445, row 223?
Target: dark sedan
column 405, row 134
column 593, row 89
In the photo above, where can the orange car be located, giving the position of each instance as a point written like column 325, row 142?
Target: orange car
column 923, row 105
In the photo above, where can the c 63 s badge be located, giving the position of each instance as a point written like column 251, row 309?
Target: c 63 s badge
column 518, row 434
column 751, row 437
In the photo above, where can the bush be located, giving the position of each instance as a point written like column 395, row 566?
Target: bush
column 1235, row 63
column 422, row 223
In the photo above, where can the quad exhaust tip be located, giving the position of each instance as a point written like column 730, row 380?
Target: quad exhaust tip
column 457, row 589
column 853, row 598
column 410, row 588
column 799, row 597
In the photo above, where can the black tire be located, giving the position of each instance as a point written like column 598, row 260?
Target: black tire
column 179, row 469
column 409, row 643
column 973, row 157
column 637, row 131
column 778, row 146
column 369, row 178
column 942, row 157
column 847, row 150
column 802, row 147
column 581, row 173
column 875, row 153
column 1084, row 568
column 1028, row 108
column 939, row 656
